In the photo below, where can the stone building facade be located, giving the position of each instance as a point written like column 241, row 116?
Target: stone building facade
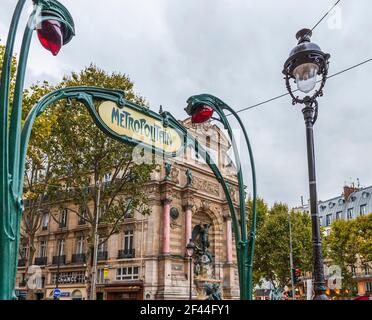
column 147, row 259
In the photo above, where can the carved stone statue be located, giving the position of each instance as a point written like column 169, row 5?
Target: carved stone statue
column 188, row 177
column 168, row 169
column 212, row 291
column 203, row 257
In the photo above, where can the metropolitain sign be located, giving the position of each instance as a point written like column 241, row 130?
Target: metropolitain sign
column 141, row 126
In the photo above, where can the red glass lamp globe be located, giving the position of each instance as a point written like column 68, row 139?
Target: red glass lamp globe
column 50, row 35
column 201, row 114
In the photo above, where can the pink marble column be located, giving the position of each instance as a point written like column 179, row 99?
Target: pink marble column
column 166, row 226
column 228, row 241
column 188, row 218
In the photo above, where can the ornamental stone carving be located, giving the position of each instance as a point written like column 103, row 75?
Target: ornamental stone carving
column 175, row 175
column 205, row 185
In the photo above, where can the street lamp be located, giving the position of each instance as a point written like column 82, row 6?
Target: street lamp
column 55, row 27
column 201, row 108
column 190, row 247
column 305, row 63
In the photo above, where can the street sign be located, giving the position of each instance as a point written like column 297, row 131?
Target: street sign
column 56, row 293
column 140, row 126
column 65, row 294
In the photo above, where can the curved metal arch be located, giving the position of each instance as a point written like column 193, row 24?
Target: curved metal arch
column 192, row 142
column 219, row 106
column 86, row 95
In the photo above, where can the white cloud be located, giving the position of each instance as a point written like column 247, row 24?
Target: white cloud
column 235, row 50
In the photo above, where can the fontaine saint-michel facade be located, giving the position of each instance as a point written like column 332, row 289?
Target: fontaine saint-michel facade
column 147, row 258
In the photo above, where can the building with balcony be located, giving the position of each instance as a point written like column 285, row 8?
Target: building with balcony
column 146, row 258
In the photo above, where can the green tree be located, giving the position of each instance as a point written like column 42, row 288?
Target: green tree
column 76, row 159
column 349, row 245
column 272, row 245
column 40, row 175
column 37, row 168
column 261, row 215
column 13, row 69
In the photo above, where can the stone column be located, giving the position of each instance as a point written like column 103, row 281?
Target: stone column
column 166, row 226
column 229, row 255
column 230, row 291
column 188, row 224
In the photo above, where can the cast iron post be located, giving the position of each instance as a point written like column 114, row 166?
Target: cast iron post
column 318, row 271
column 11, row 203
column 244, row 247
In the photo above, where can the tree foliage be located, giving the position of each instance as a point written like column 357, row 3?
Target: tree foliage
column 349, row 245
column 69, row 158
column 271, row 259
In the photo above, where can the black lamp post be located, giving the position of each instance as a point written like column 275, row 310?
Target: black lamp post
column 305, row 63
column 190, row 247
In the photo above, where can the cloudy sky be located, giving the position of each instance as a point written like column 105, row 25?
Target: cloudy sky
column 235, row 49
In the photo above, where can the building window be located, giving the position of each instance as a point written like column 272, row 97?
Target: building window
column 63, row 218
column 338, row 215
column 102, row 244
column 368, row 287
column 100, row 276
column 127, row 206
column 127, row 273
column 24, row 251
column 353, row 271
column 128, row 240
column 102, row 211
column 107, row 177
column 45, row 221
column 82, row 215
column 80, row 245
column 43, row 248
column 61, row 247
column 366, row 270
column 350, row 213
column 76, row 295
column 363, row 209
column 328, row 220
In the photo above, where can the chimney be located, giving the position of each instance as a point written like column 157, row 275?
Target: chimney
column 348, row 191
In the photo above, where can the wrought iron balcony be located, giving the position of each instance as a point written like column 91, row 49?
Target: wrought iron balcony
column 102, row 255
column 41, row 261
column 126, row 253
column 21, row 262
column 78, row 258
column 59, row 259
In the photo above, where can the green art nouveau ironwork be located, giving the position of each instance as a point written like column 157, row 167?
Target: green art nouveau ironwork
column 245, row 247
column 44, row 11
column 120, row 119
column 92, row 98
